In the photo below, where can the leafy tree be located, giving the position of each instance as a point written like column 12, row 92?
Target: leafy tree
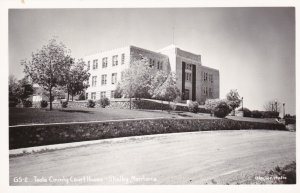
column 137, row 79
column 233, row 99
column 158, row 80
column 76, row 78
column 26, row 88
column 14, row 91
column 273, row 105
column 168, row 90
column 47, row 66
column 118, row 91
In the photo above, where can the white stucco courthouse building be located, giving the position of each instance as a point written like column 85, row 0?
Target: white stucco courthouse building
column 195, row 81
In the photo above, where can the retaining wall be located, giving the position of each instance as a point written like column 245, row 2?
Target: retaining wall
column 29, row 136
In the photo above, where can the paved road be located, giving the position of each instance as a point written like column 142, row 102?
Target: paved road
column 184, row 158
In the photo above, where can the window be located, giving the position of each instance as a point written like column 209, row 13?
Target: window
column 95, row 64
column 94, row 81
column 150, row 63
column 205, row 91
column 123, row 59
column 89, row 65
column 93, row 97
column 210, row 92
column 103, row 94
column 211, row 78
column 205, row 76
column 188, row 66
column 159, row 65
column 188, row 76
column 112, row 94
column 103, row 79
column 104, row 62
column 113, row 78
column 115, row 60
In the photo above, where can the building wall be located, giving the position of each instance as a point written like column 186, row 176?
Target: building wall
column 172, row 59
column 108, row 70
column 214, row 85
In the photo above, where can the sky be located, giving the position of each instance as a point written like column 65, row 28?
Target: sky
column 253, row 48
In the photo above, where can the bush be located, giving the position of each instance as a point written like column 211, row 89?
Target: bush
column 91, row 104
column 290, row 121
column 256, row 114
column 193, row 107
column 44, row 104
column 27, row 103
column 270, row 114
column 13, row 102
column 246, row 112
column 104, row 102
column 222, row 110
column 64, row 104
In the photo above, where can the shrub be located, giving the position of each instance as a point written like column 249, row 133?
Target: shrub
column 222, row 110
column 193, row 107
column 91, row 104
column 44, row 104
column 290, row 121
column 270, row 114
column 246, row 112
column 211, row 104
column 256, row 114
column 13, row 102
column 27, row 103
column 64, row 104
column 104, row 102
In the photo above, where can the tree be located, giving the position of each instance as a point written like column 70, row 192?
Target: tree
column 26, row 88
column 47, row 66
column 137, row 79
column 76, row 78
column 14, row 91
column 168, row 90
column 233, row 100
column 273, row 105
column 118, row 91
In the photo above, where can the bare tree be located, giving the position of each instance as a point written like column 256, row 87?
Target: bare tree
column 273, row 105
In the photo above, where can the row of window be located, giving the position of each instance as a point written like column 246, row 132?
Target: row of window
column 207, row 77
column 188, row 76
column 207, row 91
column 104, row 79
column 102, row 94
column 115, row 61
column 159, row 64
column 188, row 66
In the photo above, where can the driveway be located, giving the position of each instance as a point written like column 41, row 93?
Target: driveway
column 210, row 157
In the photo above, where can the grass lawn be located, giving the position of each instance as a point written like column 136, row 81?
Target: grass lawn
column 19, row 116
